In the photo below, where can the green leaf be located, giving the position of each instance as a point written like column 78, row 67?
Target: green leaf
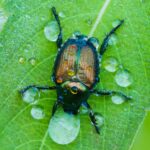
column 23, row 36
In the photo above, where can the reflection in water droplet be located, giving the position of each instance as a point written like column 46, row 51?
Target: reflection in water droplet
column 112, row 40
column 99, row 119
column 111, row 64
column 123, row 78
column 117, row 99
column 22, row 60
column 51, row 31
column 31, row 95
column 61, row 14
column 3, row 18
column 64, row 127
column 115, row 23
column 37, row 112
column 32, row 61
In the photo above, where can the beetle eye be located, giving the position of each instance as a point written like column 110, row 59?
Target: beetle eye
column 74, row 90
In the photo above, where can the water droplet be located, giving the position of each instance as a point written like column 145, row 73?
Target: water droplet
column 22, row 60
column 51, row 31
column 83, row 110
column 94, row 41
column 112, row 40
column 64, row 127
column 117, row 99
column 71, row 72
column 99, row 119
column 3, row 18
column 116, row 23
column 32, row 61
column 89, row 22
column 123, row 78
column 76, row 33
column 110, row 64
column 31, row 95
column 37, row 112
column 61, row 14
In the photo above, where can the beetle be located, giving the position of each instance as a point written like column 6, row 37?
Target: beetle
column 76, row 72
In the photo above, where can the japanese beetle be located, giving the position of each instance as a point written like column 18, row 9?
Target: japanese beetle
column 76, row 71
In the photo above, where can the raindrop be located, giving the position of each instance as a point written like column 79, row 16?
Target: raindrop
column 112, row 40
column 99, row 119
column 116, row 23
column 110, row 64
column 64, row 127
column 117, row 99
column 51, row 31
column 32, row 61
column 3, row 18
column 61, row 14
column 31, row 95
column 83, row 110
column 123, row 78
column 22, row 60
column 37, row 112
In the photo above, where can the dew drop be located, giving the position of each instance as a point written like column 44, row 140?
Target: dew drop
column 83, row 110
column 61, row 14
column 123, row 78
column 64, row 127
column 31, row 95
column 22, row 60
column 110, row 64
column 3, row 18
column 99, row 119
column 112, row 40
column 117, row 99
column 116, row 23
column 32, row 61
column 51, row 31
column 37, row 112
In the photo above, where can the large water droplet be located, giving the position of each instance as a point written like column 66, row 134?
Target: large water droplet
column 123, row 78
column 116, row 23
column 32, row 61
column 3, row 18
column 37, row 112
column 31, row 95
column 111, row 64
column 51, row 31
column 112, row 40
column 22, row 60
column 99, row 119
column 117, row 99
column 64, row 127
column 61, row 14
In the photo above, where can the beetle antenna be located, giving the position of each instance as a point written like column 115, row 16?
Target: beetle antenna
column 107, row 38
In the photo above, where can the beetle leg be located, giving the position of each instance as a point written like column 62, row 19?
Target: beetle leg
column 38, row 87
column 106, row 39
column 92, row 117
column 109, row 92
column 59, row 39
column 55, row 106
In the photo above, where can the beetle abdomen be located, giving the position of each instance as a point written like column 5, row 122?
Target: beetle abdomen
column 76, row 61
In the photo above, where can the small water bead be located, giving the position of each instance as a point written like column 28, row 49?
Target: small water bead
column 61, row 14
column 51, row 31
column 64, row 127
column 22, row 60
column 3, row 18
column 112, row 40
column 116, row 23
column 83, row 110
column 117, row 99
column 123, row 78
column 31, row 95
column 76, row 33
column 111, row 64
column 32, row 61
column 37, row 112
